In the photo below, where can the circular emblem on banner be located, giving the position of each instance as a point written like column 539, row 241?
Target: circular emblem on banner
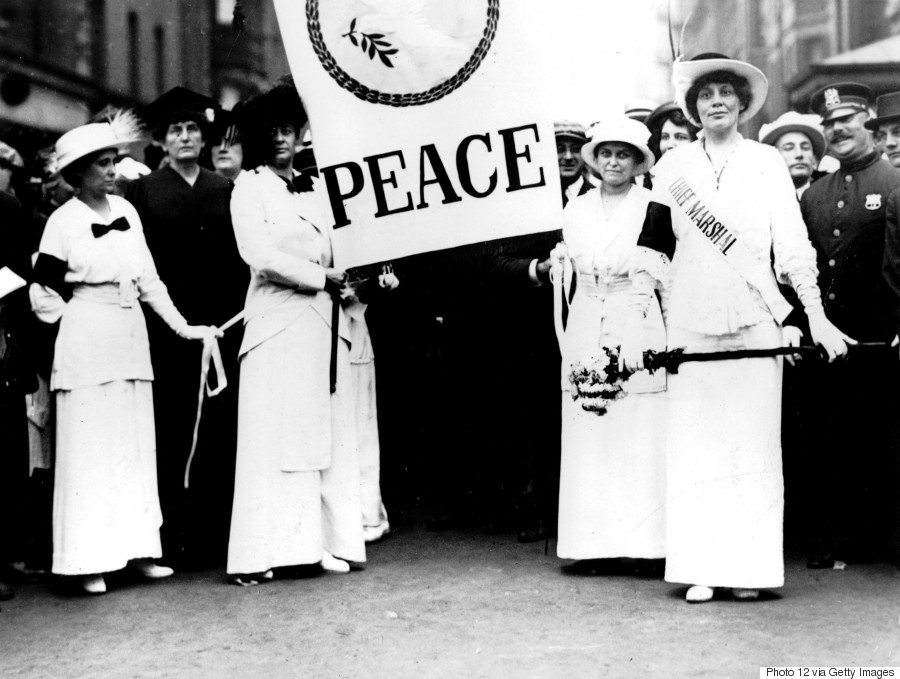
column 401, row 52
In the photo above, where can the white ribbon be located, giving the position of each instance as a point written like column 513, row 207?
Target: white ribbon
column 210, row 353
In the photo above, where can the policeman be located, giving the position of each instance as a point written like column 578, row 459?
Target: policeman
column 848, row 414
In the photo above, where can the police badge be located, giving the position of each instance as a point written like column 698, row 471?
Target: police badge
column 873, row 201
column 832, row 98
column 401, row 52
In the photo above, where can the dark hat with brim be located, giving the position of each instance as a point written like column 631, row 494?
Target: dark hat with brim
column 179, row 105
column 841, row 99
column 660, row 113
column 887, row 110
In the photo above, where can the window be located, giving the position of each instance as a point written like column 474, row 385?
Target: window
column 134, row 55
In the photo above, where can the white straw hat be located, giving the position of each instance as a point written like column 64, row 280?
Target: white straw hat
column 684, row 73
column 792, row 121
column 123, row 129
column 621, row 129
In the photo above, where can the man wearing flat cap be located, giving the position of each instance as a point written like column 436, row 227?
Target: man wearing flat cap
column 799, row 139
column 849, row 408
column 185, row 210
column 570, row 137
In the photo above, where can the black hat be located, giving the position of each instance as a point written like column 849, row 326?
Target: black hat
column 178, row 105
column 225, row 126
column 278, row 106
column 887, row 110
column 841, row 99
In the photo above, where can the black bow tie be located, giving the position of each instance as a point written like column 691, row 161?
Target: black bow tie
column 118, row 224
column 301, row 182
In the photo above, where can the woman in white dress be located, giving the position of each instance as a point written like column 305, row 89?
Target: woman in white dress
column 93, row 270
column 296, row 496
column 730, row 208
column 612, row 480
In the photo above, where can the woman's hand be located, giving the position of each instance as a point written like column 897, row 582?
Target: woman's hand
column 201, row 332
column 826, row 335
column 631, row 357
column 790, row 337
column 334, row 280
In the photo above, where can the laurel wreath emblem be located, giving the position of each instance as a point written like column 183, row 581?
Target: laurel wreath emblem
column 374, row 44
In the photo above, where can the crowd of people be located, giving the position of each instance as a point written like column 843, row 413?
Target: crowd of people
column 678, row 233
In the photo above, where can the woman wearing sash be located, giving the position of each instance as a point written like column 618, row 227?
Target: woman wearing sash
column 92, row 272
column 297, row 492
column 724, row 205
column 612, row 480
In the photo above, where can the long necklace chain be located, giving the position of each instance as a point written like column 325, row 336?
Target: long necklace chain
column 719, row 172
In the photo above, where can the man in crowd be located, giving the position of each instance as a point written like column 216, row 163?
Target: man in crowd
column 851, row 403
column 799, row 139
column 886, row 126
column 185, row 211
column 570, row 137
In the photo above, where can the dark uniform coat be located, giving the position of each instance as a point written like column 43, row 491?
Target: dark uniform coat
column 189, row 232
column 847, row 403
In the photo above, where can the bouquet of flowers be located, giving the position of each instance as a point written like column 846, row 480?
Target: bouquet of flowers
column 599, row 384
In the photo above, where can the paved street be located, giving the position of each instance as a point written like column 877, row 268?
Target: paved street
column 455, row 604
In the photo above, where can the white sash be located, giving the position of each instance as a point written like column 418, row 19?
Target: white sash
column 726, row 241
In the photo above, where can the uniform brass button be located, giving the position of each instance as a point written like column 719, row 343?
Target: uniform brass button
column 840, row 203
column 848, row 178
column 831, row 296
column 836, row 232
column 831, row 262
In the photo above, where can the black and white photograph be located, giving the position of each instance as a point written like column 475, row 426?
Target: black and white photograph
column 636, row 406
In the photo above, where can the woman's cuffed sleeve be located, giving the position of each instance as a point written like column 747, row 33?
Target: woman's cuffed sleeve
column 795, row 257
column 655, row 247
column 154, row 292
column 258, row 247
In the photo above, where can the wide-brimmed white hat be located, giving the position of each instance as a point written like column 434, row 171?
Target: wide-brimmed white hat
column 792, row 121
column 684, row 73
column 88, row 139
column 621, row 129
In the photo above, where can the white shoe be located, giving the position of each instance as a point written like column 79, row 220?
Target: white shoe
column 375, row 533
column 699, row 594
column 252, row 579
column 93, row 584
column 744, row 594
column 150, row 570
column 334, row 565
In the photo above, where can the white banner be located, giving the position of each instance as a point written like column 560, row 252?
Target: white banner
column 428, row 120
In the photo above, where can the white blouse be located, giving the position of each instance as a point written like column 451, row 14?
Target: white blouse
column 753, row 195
column 102, row 335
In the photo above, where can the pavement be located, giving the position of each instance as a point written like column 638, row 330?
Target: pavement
column 456, row 604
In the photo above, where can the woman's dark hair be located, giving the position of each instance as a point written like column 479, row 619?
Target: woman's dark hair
column 72, row 172
column 678, row 119
column 740, row 84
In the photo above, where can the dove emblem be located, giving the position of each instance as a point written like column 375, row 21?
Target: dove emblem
column 401, row 52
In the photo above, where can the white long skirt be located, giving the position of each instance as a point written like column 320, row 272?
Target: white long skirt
column 725, row 486
column 287, row 518
column 612, row 484
column 366, row 410
column 105, row 499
